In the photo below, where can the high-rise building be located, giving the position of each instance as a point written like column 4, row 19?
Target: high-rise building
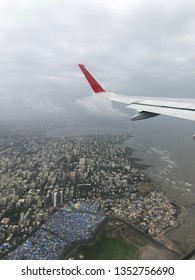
column 61, row 197
column 3, row 201
column 22, row 216
column 55, row 199
column 28, row 199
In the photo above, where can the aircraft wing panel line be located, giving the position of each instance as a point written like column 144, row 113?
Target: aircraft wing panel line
column 164, row 106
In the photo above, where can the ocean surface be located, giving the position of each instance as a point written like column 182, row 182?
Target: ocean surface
column 167, row 147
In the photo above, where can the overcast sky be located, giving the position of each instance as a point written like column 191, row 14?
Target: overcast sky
column 135, row 47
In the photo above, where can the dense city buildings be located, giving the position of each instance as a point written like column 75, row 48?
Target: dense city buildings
column 56, row 191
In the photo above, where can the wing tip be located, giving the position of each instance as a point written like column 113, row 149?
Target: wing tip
column 96, row 86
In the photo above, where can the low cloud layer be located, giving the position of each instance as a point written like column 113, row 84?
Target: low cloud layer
column 98, row 106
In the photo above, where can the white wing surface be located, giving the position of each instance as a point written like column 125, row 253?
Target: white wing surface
column 146, row 107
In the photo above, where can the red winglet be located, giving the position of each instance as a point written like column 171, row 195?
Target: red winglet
column 92, row 81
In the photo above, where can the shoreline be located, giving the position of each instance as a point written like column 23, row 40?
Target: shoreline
column 170, row 243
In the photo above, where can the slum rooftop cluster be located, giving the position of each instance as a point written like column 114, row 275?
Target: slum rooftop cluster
column 60, row 231
column 150, row 212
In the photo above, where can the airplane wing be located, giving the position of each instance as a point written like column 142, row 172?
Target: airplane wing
column 146, row 107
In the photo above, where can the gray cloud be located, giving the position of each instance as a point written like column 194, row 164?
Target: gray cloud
column 97, row 106
column 135, row 47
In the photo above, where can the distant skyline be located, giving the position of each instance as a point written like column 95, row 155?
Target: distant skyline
column 134, row 47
